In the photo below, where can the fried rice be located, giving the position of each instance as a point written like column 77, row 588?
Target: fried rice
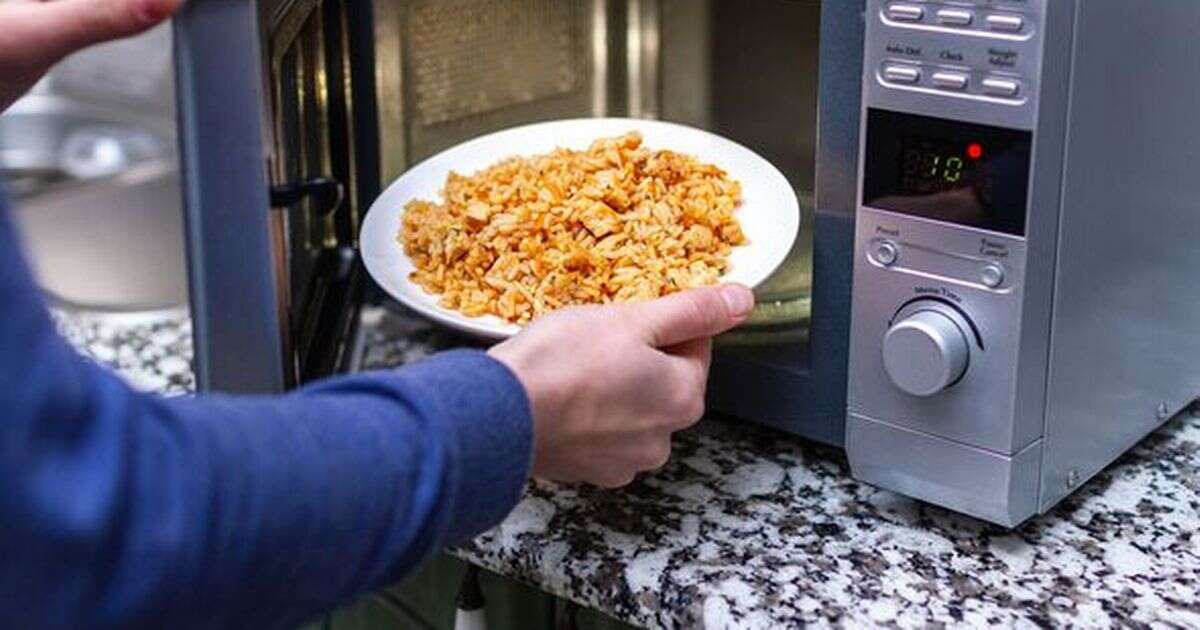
column 614, row 223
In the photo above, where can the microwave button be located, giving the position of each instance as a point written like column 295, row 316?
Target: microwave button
column 885, row 253
column 991, row 275
column 902, row 74
column 1005, row 23
column 901, row 12
column 955, row 17
column 950, row 80
column 1001, row 87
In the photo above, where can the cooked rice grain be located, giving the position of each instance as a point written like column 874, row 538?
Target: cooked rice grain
column 613, row 223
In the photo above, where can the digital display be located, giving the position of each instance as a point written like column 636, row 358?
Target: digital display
column 930, row 166
column 952, row 171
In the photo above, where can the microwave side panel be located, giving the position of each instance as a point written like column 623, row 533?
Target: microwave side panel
column 1045, row 209
column 839, row 94
column 1126, row 328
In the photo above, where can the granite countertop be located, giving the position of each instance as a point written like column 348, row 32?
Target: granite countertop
column 746, row 527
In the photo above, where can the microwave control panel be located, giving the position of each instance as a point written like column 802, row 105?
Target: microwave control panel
column 950, row 97
column 976, row 61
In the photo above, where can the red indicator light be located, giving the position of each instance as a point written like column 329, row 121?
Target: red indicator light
column 974, row 150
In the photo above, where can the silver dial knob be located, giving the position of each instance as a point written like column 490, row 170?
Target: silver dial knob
column 926, row 349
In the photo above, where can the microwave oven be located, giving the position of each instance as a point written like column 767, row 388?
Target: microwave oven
column 997, row 287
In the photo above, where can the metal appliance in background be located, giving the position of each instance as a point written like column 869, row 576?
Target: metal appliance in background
column 90, row 155
column 1005, row 248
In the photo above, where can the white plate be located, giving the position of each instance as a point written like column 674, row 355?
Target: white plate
column 769, row 214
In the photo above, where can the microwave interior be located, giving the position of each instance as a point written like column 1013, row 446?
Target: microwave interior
column 359, row 91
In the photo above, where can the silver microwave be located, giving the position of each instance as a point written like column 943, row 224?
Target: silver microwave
column 997, row 290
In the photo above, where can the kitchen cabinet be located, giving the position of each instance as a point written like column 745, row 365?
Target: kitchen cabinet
column 426, row 601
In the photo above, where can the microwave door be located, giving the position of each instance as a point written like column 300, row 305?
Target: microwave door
column 322, row 172
column 234, row 301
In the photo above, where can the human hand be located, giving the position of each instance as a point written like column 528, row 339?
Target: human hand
column 610, row 384
column 35, row 35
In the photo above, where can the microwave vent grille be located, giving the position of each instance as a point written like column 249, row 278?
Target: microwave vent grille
column 470, row 57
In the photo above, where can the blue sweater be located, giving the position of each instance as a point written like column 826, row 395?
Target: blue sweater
column 122, row 509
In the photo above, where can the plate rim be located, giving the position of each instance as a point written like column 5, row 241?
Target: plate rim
column 491, row 326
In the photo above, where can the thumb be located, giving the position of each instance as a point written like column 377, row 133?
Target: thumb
column 59, row 28
column 692, row 314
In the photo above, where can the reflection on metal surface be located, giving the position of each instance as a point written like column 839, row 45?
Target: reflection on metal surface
column 130, row 75
column 782, row 335
column 642, row 44
column 784, row 306
column 47, row 139
column 111, row 244
column 102, row 151
column 346, row 87
column 761, row 91
column 90, row 155
column 685, row 65
column 287, row 93
column 390, row 85
column 600, row 57
column 785, row 299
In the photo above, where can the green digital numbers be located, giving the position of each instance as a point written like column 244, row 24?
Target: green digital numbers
column 953, row 170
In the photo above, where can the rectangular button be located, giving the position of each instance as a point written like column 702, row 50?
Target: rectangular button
column 955, row 17
column 1005, row 23
column 905, row 12
column 902, row 74
column 1001, row 87
column 950, row 80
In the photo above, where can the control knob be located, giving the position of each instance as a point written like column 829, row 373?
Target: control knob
column 926, row 350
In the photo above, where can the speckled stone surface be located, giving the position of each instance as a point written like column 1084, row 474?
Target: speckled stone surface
column 151, row 351
column 747, row 528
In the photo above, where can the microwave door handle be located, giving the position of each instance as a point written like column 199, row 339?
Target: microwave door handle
column 327, row 194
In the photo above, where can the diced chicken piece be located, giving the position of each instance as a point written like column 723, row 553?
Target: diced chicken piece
column 608, row 177
column 698, row 237
column 600, row 219
column 617, row 198
column 732, row 232
column 478, row 213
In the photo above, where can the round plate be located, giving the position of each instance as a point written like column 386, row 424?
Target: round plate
column 769, row 214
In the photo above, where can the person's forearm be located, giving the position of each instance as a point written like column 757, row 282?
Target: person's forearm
column 366, row 477
column 224, row 511
column 122, row 509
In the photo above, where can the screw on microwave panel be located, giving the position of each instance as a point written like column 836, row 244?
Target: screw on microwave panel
column 1163, row 411
column 1072, row 478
